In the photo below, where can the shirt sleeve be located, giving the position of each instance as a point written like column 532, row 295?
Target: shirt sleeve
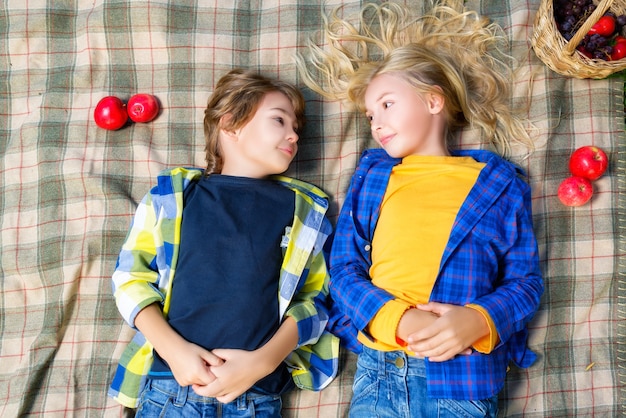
column 514, row 302
column 135, row 277
column 384, row 326
column 350, row 285
column 487, row 343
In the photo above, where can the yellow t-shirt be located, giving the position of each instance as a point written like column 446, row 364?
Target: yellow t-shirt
column 418, row 210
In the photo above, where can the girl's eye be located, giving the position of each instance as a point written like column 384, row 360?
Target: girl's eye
column 280, row 120
column 369, row 117
column 387, row 105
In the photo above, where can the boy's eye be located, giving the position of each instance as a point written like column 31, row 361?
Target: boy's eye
column 387, row 105
column 369, row 117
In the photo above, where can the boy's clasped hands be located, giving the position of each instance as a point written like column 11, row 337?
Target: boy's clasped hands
column 222, row 373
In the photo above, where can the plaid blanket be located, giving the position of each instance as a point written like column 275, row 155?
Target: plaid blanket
column 69, row 189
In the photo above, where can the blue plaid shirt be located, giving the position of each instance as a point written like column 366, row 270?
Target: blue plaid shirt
column 491, row 260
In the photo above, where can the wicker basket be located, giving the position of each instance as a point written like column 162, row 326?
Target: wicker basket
column 561, row 56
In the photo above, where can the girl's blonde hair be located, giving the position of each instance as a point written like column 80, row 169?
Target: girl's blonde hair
column 233, row 104
column 449, row 51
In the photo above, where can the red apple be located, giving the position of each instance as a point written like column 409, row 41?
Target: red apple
column 143, row 107
column 589, row 162
column 605, row 26
column 110, row 113
column 575, row 191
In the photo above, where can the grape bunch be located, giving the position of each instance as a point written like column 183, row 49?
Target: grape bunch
column 603, row 41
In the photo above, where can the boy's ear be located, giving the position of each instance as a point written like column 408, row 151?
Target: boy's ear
column 225, row 126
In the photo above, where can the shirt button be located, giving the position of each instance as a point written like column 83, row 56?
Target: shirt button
column 399, row 362
column 368, row 247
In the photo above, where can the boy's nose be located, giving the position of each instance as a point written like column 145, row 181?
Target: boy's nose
column 293, row 137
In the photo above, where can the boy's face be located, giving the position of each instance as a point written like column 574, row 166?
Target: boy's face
column 403, row 121
column 267, row 144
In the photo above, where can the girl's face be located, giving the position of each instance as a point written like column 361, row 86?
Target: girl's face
column 267, row 144
column 403, row 121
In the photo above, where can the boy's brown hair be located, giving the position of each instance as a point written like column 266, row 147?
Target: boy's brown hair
column 237, row 95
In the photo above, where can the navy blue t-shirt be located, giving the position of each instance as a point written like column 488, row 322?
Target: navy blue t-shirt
column 225, row 289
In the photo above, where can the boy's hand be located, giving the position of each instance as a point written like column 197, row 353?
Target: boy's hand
column 453, row 333
column 240, row 370
column 191, row 364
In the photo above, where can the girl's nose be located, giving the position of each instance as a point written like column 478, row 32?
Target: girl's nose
column 375, row 122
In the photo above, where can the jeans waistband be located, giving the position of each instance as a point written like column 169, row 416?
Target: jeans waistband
column 394, row 362
column 182, row 394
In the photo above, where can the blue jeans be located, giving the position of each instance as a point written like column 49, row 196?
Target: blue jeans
column 393, row 384
column 166, row 398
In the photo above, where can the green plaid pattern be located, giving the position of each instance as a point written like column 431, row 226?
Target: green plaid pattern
column 69, row 189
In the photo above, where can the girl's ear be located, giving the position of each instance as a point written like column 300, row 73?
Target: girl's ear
column 435, row 102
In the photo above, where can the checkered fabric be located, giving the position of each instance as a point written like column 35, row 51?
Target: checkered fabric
column 68, row 190
column 145, row 274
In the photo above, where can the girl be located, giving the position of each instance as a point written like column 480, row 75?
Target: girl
column 245, row 316
column 434, row 263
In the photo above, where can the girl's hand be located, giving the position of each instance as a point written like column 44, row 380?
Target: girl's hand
column 240, row 370
column 414, row 320
column 453, row 333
